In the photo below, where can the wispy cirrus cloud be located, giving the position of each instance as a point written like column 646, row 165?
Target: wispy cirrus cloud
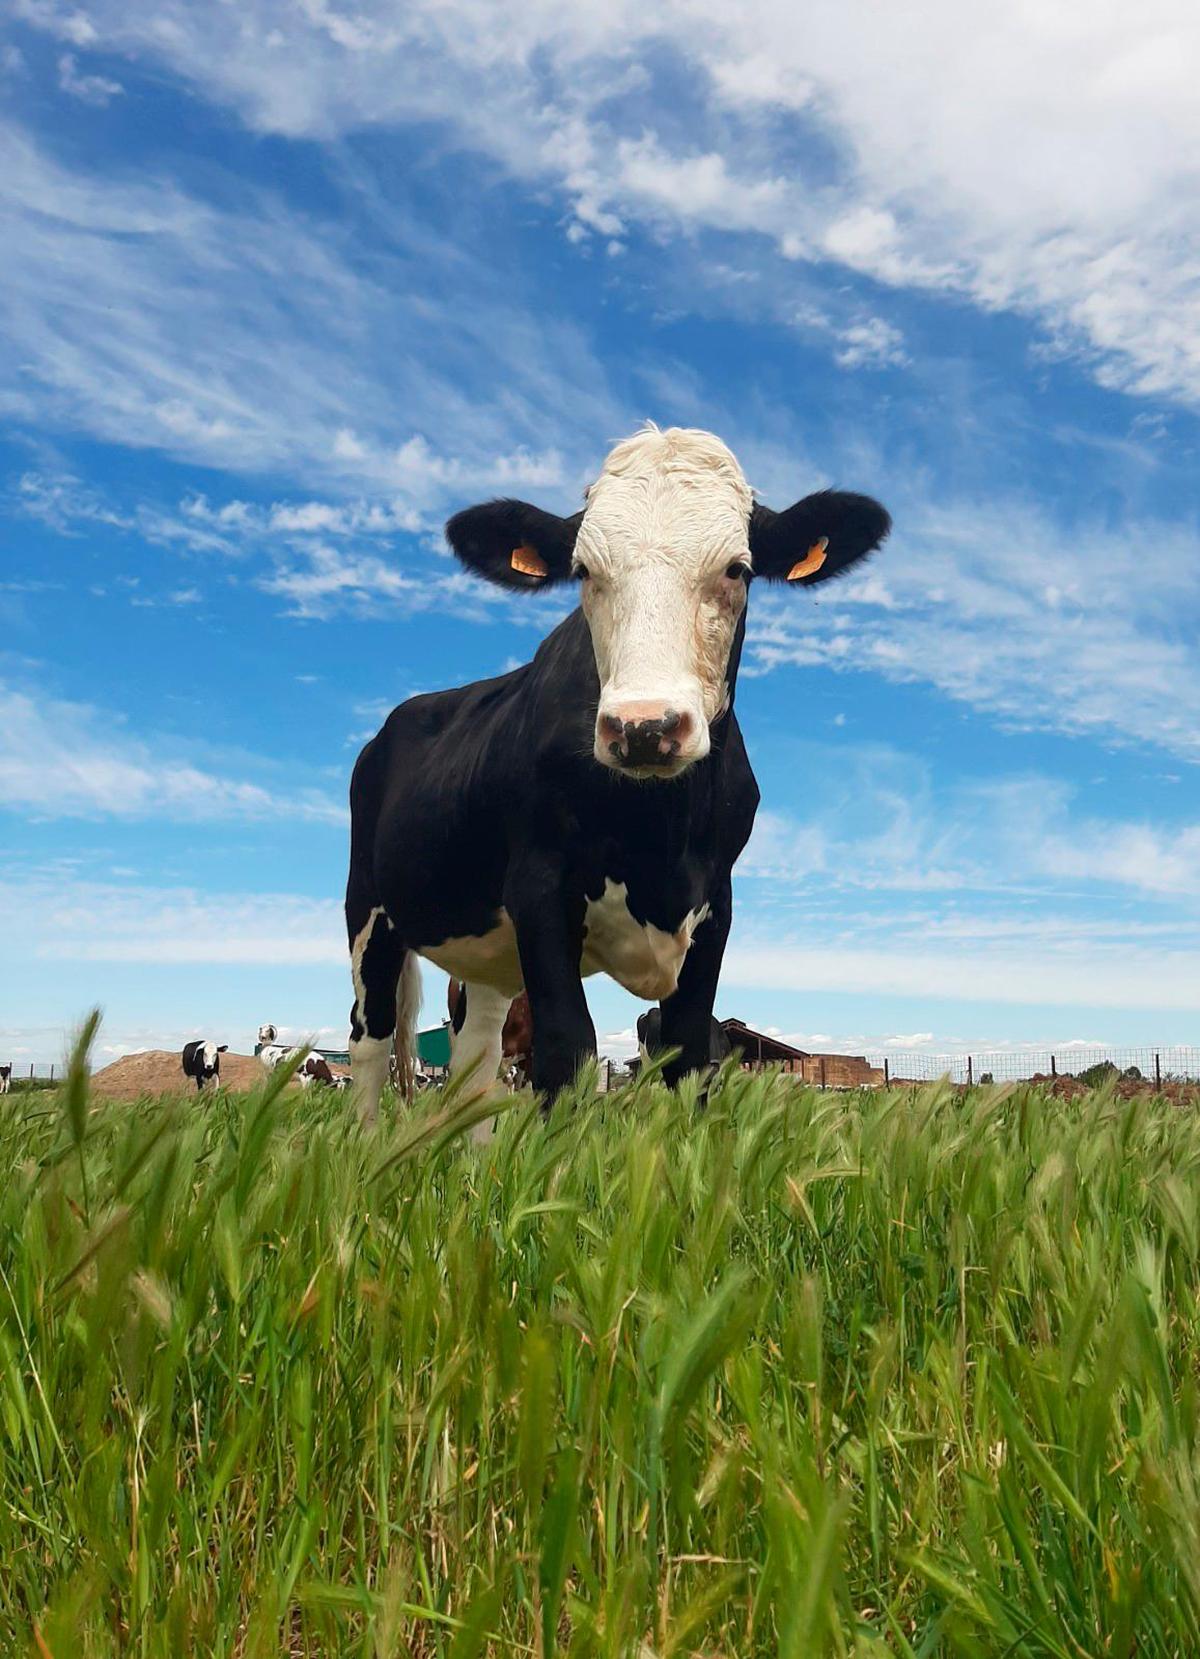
column 63, row 759
column 98, row 90
column 1029, row 159
column 323, row 559
column 1082, row 628
column 1003, row 891
column 249, row 338
column 97, row 921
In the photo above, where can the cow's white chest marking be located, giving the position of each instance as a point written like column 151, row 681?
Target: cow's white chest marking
column 483, row 958
column 645, row 959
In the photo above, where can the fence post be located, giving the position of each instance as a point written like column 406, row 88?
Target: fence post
column 969, row 1069
column 52, row 1071
column 822, row 1071
column 1157, row 1073
column 887, row 1081
column 1053, row 1067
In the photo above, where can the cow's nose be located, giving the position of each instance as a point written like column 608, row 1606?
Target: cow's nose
column 646, row 740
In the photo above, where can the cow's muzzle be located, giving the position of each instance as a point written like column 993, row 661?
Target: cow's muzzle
column 638, row 740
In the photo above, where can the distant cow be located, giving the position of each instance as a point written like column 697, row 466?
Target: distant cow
column 267, row 1034
column 5, row 1077
column 202, row 1061
column 314, row 1069
column 650, row 1043
column 583, row 813
column 516, row 1038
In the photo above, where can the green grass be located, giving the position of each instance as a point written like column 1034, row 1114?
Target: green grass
column 907, row 1373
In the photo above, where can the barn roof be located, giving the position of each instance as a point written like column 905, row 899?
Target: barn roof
column 757, row 1045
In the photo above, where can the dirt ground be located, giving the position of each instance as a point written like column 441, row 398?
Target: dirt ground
column 160, row 1071
column 1127, row 1088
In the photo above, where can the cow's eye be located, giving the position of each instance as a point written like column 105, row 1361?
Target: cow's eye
column 581, row 573
column 739, row 572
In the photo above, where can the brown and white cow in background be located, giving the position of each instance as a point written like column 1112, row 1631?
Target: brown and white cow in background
column 5, row 1077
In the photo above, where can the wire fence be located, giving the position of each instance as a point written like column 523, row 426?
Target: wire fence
column 1175, row 1064
column 34, row 1074
column 1156, row 1065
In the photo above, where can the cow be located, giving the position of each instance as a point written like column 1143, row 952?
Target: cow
column 582, row 813
column 314, row 1068
column 650, row 1043
column 202, row 1061
column 267, row 1034
column 5, row 1077
column 271, row 1054
column 516, row 1035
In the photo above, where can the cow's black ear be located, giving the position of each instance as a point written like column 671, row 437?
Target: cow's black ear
column 513, row 544
column 819, row 537
column 223, row 1048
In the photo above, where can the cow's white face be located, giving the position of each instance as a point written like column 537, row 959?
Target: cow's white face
column 663, row 552
column 663, row 561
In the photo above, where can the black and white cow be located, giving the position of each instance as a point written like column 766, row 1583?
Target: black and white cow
column 650, row 1043
column 314, row 1068
column 583, row 813
column 5, row 1077
column 202, row 1061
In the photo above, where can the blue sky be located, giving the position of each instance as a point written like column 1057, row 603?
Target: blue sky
column 283, row 285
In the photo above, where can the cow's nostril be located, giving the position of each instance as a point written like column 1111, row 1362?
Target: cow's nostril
column 611, row 725
column 671, row 721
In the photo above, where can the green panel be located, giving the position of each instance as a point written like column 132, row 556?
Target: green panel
column 433, row 1046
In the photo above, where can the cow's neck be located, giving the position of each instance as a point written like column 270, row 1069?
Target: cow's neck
column 719, row 729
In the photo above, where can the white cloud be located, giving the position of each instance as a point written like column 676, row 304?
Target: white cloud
column 873, row 343
column 97, row 90
column 1084, row 629
column 876, row 824
column 1029, row 157
column 1000, row 891
column 1119, row 976
column 86, row 921
column 318, row 578
column 245, row 338
column 70, row 760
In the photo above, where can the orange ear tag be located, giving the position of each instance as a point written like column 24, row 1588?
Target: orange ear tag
column 528, row 562
column 812, row 560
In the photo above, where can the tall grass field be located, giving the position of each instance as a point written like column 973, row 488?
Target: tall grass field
column 797, row 1374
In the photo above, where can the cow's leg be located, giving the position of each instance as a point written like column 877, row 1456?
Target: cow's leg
column 376, row 959
column 550, row 939
column 687, row 1013
column 477, row 1042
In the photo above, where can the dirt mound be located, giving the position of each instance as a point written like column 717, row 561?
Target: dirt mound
column 160, row 1071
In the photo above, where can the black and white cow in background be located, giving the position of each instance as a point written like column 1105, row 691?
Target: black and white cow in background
column 202, row 1061
column 583, row 813
column 650, row 1043
column 5, row 1077
column 314, row 1068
